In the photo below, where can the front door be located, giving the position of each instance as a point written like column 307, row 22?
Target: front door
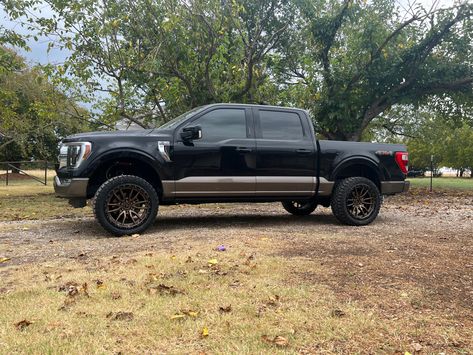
column 286, row 154
column 222, row 162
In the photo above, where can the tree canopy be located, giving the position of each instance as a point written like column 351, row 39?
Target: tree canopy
column 346, row 61
column 34, row 115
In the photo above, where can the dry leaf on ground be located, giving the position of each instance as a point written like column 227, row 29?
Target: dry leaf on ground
column 225, row 309
column 277, row 340
column 120, row 316
column 22, row 325
column 163, row 289
column 205, row 332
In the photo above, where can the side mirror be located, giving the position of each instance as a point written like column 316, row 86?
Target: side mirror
column 191, row 133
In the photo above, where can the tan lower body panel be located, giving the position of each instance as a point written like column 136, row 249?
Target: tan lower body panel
column 241, row 186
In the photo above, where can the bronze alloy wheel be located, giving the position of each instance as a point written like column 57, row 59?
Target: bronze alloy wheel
column 361, row 201
column 300, row 208
column 127, row 206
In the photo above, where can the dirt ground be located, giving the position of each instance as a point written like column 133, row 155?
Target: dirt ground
column 415, row 260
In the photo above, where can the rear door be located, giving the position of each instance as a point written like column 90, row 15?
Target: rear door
column 285, row 153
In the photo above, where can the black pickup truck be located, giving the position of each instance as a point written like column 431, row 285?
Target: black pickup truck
column 226, row 153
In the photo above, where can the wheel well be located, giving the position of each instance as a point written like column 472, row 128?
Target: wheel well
column 123, row 166
column 359, row 170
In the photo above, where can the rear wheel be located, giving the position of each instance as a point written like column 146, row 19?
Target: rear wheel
column 126, row 204
column 356, row 201
column 300, row 208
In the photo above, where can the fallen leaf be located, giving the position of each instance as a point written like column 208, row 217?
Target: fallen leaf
column 417, row 347
column 99, row 284
column 190, row 313
column 205, row 332
column 225, row 309
column 163, row 289
column 115, row 295
column 212, row 262
column 273, row 301
column 120, row 316
column 337, row 313
column 72, row 291
column 278, row 340
column 4, row 260
column 177, row 316
column 23, row 324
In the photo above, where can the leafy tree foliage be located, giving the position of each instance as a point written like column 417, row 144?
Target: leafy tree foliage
column 34, row 115
column 362, row 58
column 346, row 61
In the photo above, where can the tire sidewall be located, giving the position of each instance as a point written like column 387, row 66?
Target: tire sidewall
column 100, row 201
column 341, row 195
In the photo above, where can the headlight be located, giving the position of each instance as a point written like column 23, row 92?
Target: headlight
column 71, row 155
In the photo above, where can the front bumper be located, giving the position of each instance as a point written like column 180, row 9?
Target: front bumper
column 394, row 187
column 71, row 188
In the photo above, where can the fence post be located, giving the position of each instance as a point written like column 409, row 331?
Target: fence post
column 6, row 180
column 45, row 172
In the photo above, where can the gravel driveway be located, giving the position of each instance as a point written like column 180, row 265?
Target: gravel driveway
column 419, row 238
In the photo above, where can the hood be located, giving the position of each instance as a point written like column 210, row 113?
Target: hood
column 106, row 134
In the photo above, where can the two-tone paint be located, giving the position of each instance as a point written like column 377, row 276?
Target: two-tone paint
column 243, row 169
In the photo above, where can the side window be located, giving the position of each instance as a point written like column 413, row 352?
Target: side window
column 280, row 125
column 221, row 124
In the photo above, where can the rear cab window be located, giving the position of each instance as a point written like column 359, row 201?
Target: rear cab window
column 280, row 125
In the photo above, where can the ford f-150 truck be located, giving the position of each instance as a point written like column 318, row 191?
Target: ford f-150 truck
column 226, row 153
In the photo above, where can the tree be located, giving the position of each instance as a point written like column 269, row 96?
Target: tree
column 160, row 58
column 359, row 59
column 458, row 147
column 34, row 115
column 347, row 61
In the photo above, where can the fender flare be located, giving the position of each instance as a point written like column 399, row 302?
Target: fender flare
column 123, row 153
column 357, row 160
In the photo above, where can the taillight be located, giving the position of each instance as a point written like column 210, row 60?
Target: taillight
column 402, row 160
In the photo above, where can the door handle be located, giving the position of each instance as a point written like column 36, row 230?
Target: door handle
column 303, row 151
column 243, row 149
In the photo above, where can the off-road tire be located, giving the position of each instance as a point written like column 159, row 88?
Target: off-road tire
column 343, row 200
column 102, row 201
column 299, row 208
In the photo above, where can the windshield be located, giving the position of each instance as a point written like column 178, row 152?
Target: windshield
column 176, row 121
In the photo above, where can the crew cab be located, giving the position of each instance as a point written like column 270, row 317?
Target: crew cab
column 226, row 153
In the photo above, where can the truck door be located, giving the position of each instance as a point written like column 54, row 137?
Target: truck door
column 222, row 163
column 286, row 153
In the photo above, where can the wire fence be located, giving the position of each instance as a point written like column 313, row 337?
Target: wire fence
column 24, row 171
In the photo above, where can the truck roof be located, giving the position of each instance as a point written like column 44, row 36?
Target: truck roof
column 255, row 105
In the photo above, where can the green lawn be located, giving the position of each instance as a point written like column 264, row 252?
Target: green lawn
column 443, row 183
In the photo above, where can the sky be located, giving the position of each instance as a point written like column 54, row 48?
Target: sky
column 39, row 53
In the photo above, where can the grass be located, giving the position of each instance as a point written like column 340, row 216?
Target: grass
column 31, row 200
column 316, row 301
column 443, row 183
column 261, row 300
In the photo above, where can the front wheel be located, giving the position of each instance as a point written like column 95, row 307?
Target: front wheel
column 300, row 208
column 125, row 204
column 356, row 201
